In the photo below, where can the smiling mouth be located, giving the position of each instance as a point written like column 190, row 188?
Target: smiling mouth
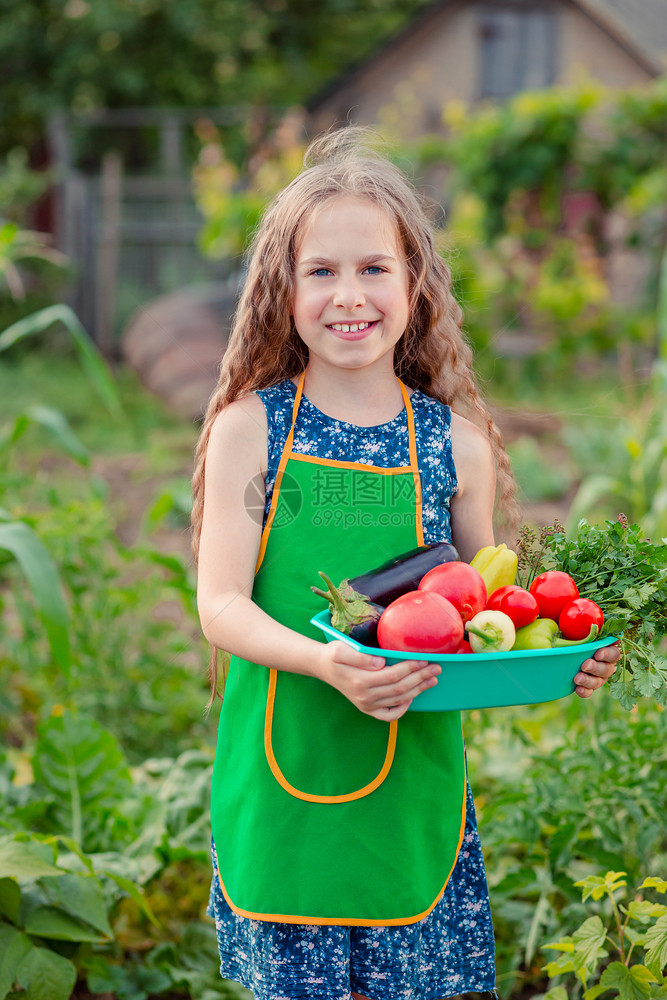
column 351, row 327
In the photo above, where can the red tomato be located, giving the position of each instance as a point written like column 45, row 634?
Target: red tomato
column 419, row 622
column 460, row 583
column 518, row 604
column 464, row 647
column 553, row 590
column 578, row 616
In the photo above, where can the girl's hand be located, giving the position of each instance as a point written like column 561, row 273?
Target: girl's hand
column 595, row 672
column 384, row 692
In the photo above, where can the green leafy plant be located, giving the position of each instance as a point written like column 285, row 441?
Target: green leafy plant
column 52, row 903
column 544, row 170
column 527, row 146
column 91, row 360
column 18, row 540
column 616, row 566
column 625, row 467
column 634, row 936
column 20, row 186
column 109, row 884
column 18, row 246
column 231, row 205
column 51, row 420
column 558, row 797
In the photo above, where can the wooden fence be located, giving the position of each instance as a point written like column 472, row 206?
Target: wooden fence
column 130, row 236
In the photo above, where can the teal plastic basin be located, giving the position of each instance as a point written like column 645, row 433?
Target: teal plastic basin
column 486, row 680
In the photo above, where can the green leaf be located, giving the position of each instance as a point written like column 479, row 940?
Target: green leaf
column 110, row 979
column 632, row 983
column 560, row 966
column 91, row 360
column 565, row 944
column 560, row 842
column 10, row 899
column 81, row 896
column 595, row 991
column 44, row 975
column 14, row 946
column 655, row 942
column 135, row 893
column 55, row 422
column 539, row 916
column 598, row 887
column 636, row 597
column 74, row 759
column 588, row 941
column 644, row 910
column 624, row 691
column 634, row 935
column 40, row 571
column 654, row 882
column 49, row 922
column 75, row 848
column 557, row 993
column 25, row 859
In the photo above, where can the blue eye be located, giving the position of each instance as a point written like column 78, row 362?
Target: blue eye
column 321, row 272
column 374, row 269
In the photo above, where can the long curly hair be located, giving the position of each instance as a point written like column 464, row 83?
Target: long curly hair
column 264, row 346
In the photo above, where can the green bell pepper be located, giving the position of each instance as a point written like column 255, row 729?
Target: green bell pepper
column 543, row 633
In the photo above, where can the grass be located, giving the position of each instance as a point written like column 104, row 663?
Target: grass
column 55, row 379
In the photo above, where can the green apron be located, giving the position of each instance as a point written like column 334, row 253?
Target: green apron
column 321, row 814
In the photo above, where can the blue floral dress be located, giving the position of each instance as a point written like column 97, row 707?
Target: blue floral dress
column 451, row 951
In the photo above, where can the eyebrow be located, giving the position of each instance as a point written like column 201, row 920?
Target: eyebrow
column 373, row 258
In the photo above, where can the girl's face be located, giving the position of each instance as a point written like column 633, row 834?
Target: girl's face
column 351, row 285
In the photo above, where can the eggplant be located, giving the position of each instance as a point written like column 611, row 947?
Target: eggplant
column 356, row 604
column 401, row 574
column 351, row 613
column 366, row 631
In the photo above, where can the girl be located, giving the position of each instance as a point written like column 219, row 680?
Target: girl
column 346, row 855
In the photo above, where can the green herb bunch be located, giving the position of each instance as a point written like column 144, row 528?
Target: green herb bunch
column 626, row 575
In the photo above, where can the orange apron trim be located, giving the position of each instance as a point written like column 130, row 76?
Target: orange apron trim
column 285, row 918
column 355, row 466
column 308, row 796
column 288, row 453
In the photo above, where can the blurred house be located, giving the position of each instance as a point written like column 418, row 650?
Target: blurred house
column 472, row 50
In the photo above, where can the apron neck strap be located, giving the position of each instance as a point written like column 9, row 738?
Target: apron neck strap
column 412, row 445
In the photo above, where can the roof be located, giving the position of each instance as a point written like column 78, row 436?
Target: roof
column 643, row 23
column 639, row 26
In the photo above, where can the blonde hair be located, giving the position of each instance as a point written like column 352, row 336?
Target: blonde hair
column 264, row 346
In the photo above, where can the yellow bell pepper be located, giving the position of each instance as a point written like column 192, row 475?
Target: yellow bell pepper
column 497, row 565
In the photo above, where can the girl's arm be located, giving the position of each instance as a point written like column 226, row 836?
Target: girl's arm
column 236, row 462
column 472, row 528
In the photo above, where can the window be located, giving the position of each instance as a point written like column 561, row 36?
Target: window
column 517, row 48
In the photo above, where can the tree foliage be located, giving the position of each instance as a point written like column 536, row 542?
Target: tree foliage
column 89, row 54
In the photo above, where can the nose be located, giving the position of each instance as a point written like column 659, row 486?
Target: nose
column 348, row 293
